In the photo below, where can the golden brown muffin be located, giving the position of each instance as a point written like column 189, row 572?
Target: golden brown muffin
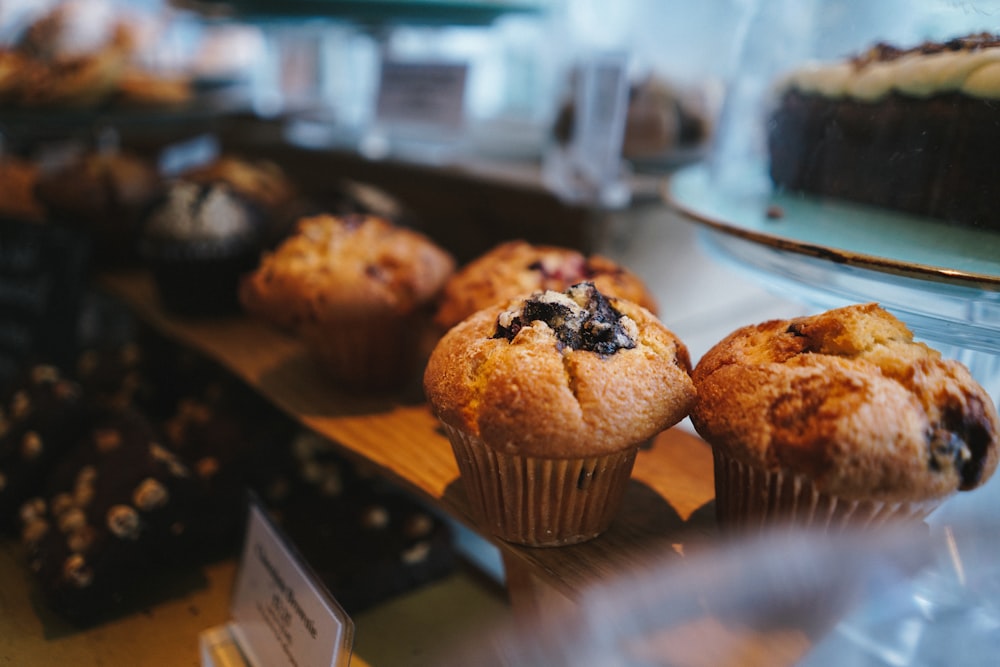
column 56, row 33
column 850, row 407
column 515, row 268
column 356, row 289
column 51, row 65
column 546, row 398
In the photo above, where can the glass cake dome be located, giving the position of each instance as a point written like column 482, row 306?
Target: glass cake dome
column 855, row 161
column 780, row 37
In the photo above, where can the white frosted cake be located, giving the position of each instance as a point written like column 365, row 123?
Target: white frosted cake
column 914, row 130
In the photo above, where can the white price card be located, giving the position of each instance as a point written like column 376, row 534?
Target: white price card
column 429, row 94
column 282, row 615
column 602, row 107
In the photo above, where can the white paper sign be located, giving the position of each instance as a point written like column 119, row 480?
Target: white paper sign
column 425, row 94
column 602, row 107
column 282, row 615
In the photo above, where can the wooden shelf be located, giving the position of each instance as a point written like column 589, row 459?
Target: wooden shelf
column 666, row 504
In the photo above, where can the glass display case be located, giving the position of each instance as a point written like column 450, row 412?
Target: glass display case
column 852, row 164
column 421, row 80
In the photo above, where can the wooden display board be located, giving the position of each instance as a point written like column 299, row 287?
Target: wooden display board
column 667, row 502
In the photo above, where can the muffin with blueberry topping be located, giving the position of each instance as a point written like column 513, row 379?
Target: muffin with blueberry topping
column 515, row 268
column 545, row 400
column 839, row 418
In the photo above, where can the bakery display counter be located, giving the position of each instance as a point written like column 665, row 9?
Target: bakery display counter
column 165, row 631
column 667, row 502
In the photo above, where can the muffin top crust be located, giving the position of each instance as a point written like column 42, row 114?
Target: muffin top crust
column 560, row 375
column 518, row 268
column 334, row 266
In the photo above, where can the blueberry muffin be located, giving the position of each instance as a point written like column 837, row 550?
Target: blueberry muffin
column 839, row 418
column 545, row 400
column 357, row 290
column 515, row 268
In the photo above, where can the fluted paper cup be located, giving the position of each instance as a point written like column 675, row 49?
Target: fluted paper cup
column 749, row 498
column 540, row 502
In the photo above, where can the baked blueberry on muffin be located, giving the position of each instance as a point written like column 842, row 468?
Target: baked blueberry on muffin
column 199, row 241
column 357, row 290
column 839, row 417
column 545, row 399
column 517, row 267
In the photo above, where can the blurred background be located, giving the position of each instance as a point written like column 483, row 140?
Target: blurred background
column 557, row 121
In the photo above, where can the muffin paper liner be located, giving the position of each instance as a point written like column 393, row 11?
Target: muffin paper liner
column 370, row 354
column 751, row 498
column 540, row 502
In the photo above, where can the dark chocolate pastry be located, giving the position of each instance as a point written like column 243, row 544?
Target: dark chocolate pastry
column 906, row 129
column 40, row 418
column 262, row 183
column 229, row 451
column 198, row 241
column 104, row 193
column 364, row 538
column 111, row 376
column 115, row 510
